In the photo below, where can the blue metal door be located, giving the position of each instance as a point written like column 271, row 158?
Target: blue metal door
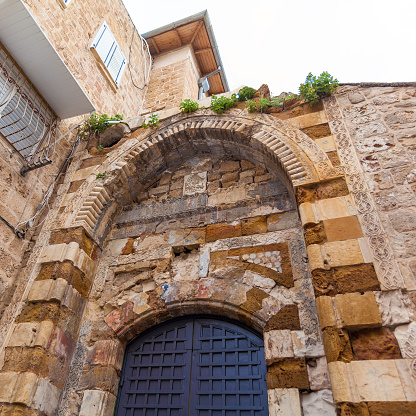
column 194, row 367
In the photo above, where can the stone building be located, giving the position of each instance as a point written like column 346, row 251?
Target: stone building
column 233, row 264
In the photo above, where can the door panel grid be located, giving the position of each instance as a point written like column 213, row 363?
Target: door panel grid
column 198, row 367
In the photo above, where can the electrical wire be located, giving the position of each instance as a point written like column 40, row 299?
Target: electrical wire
column 146, row 70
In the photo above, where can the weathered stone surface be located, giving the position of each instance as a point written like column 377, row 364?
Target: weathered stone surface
column 354, row 409
column 342, row 228
column 392, row 408
column 256, row 225
column 195, row 183
column 277, row 344
column 286, row 318
column 97, row 403
column 394, row 307
column 113, row 134
column 134, row 122
column 318, row 403
column 288, row 373
column 284, row 402
column 374, row 344
column 220, row 231
column 406, row 336
column 345, row 279
column 358, row 310
column 318, row 373
column 337, row 345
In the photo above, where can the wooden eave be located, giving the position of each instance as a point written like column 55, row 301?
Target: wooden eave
column 195, row 34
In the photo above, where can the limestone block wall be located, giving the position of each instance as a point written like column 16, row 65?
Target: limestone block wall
column 174, row 78
column 205, row 230
column 71, row 30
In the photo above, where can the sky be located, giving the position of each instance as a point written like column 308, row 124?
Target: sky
column 279, row 42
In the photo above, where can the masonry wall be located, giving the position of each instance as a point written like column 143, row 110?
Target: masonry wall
column 174, row 78
column 70, row 30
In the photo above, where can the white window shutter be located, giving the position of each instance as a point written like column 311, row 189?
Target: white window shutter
column 110, row 53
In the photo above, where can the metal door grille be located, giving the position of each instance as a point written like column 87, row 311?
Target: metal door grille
column 198, row 367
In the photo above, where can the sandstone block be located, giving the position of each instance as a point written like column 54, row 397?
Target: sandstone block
column 188, row 237
column 407, row 378
column 358, row 310
column 195, row 183
column 46, row 398
column 221, row 231
column 327, row 144
column 377, row 381
column 229, row 166
column 335, row 208
column 344, row 388
column 256, row 225
column 374, row 344
column 318, row 403
column 307, row 213
column 406, row 336
column 25, row 388
column 97, row 403
column 287, row 373
column 394, row 307
column 30, row 334
column 277, row 344
column 318, row 374
column 284, row 402
column 309, row 120
column 8, row 381
column 229, row 177
column 345, row 228
column 134, row 122
column 304, row 346
column 326, row 311
column 337, row 345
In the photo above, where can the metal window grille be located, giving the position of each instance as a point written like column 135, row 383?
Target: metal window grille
column 27, row 122
column 109, row 52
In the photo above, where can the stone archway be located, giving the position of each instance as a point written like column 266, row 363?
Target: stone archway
column 68, row 280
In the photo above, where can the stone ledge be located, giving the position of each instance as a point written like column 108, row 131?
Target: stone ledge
column 308, row 120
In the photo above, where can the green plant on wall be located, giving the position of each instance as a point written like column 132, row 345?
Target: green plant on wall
column 251, row 106
column 246, row 93
column 96, row 124
column 221, row 104
column 279, row 101
column 188, row 106
column 314, row 88
column 152, row 122
column 262, row 104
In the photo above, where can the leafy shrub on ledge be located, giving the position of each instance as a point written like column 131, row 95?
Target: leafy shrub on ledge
column 96, row 124
column 259, row 106
column 221, row 104
column 246, row 93
column 314, row 88
column 279, row 101
column 152, row 122
column 188, row 106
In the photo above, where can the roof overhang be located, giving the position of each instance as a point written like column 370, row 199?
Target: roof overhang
column 197, row 31
column 31, row 49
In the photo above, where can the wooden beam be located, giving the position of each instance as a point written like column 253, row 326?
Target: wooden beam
column 202, row 51
column 200, row 24
column 179, row 38
column 155, row 45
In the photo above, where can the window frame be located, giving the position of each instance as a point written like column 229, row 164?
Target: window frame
column 106, row 56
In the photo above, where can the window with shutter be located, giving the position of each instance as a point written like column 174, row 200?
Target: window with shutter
column 107, row 49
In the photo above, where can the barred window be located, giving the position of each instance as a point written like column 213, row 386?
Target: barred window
column 27, row 122
column 109, row 52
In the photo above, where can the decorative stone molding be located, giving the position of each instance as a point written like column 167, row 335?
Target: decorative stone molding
column 385, row 264
column 290, row 153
